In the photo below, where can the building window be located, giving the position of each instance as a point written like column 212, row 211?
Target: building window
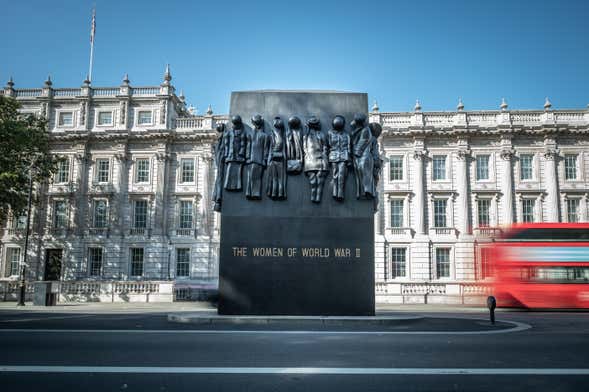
column 65, row 119
column 182, row 262
column 13, row 261
column 19, row 222
column 440, row 212
column 136, row 261
column 486, row 271
column 573, row 210
column 100, row 214
column 95, row 261
column 443, row 262
column 63, row 171
column 186, row 208
column 482, row 167
column 526, row 165
column 483, row 208
column 396, row 168
column 398, row 262
column 187, row 170
column 144, row 117
column 104, row 118
column 140, row 214
column 528, row 210
column 142, row 170
column 439, row 167
column 59, row 214
column 570, row 167
column 102, row 170
column 396, row 213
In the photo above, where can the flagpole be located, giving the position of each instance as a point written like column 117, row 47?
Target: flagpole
column 92, row 33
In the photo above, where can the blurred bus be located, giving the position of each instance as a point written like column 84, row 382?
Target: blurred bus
column 542, row 265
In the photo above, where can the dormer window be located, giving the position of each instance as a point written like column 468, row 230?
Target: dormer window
column 144, row 117
column 66, row 119
column 104, row 118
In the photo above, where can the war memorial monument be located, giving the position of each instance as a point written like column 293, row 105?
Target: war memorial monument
column 297, row 175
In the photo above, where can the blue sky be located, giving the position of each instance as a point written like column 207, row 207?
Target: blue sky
column 395, row 51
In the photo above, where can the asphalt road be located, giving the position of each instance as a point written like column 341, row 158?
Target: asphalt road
column 441, row 352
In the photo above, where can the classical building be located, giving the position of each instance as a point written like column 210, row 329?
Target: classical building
column 129, row 212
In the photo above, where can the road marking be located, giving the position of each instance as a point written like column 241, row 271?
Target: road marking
column 295, row 370
column 46, row 318
column 518, row 327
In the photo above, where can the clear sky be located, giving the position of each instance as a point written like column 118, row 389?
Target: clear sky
column 437, row 51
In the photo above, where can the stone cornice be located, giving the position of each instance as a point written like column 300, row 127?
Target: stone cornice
column 164, row 135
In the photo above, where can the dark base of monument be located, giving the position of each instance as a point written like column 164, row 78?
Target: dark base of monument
column 326, row 269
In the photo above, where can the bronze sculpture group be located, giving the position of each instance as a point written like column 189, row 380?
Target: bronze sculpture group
column 291, row 150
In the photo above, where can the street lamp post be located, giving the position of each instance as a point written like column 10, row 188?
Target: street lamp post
column 21, row 299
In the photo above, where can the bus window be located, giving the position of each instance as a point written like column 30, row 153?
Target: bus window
column 550, row 234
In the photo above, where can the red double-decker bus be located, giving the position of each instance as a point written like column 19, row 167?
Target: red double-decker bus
column 542, row 265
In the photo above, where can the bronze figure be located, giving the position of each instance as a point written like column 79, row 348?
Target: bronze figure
column 256, row 157
column 219, row 152
column 315, row 159
column 234, row 155
column 338, row 142
column 294, row 146
column 276, row 187
column 362, row 142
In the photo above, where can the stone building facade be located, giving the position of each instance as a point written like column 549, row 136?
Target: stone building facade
column 130, row 207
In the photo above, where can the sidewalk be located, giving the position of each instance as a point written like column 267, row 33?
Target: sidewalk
column 178, row 307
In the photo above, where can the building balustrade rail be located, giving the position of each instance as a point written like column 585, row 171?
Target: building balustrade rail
column 491, row 232
column 432, row 292
column 98, row 291
column 530, row 118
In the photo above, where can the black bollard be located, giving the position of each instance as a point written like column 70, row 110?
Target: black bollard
column 492, row 304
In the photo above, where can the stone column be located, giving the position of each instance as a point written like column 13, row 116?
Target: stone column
column 117, row 211
column 464, row 226
column 418, row 189
column 552, row 199
column 160, row 205
column 81, row 189
column 507, row 186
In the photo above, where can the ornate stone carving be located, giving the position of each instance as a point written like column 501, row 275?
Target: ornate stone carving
column 123, row 112
column 338, row 142
column 163, row 111
column 315, row 158
column 420, row 154
column 82, row 113
column 507, row 154
column 256, row 158
column 463, row 153
column 276, row 187
column 551, row 153
column 162, row 157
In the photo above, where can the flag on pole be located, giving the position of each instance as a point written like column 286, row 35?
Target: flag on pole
column 93, row 30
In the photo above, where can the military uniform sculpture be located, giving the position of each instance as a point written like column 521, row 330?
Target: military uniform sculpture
column 294, row 146
column 338, row 142
column 256, row 153
column 363, row 144
column 316, row 159
column 234, row 155
column 276, row 188
column 284, row 150
column 219, row 153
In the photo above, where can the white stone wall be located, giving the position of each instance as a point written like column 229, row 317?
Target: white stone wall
column 417, row 137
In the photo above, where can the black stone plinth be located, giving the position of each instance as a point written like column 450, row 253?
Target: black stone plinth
column 295, row 257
